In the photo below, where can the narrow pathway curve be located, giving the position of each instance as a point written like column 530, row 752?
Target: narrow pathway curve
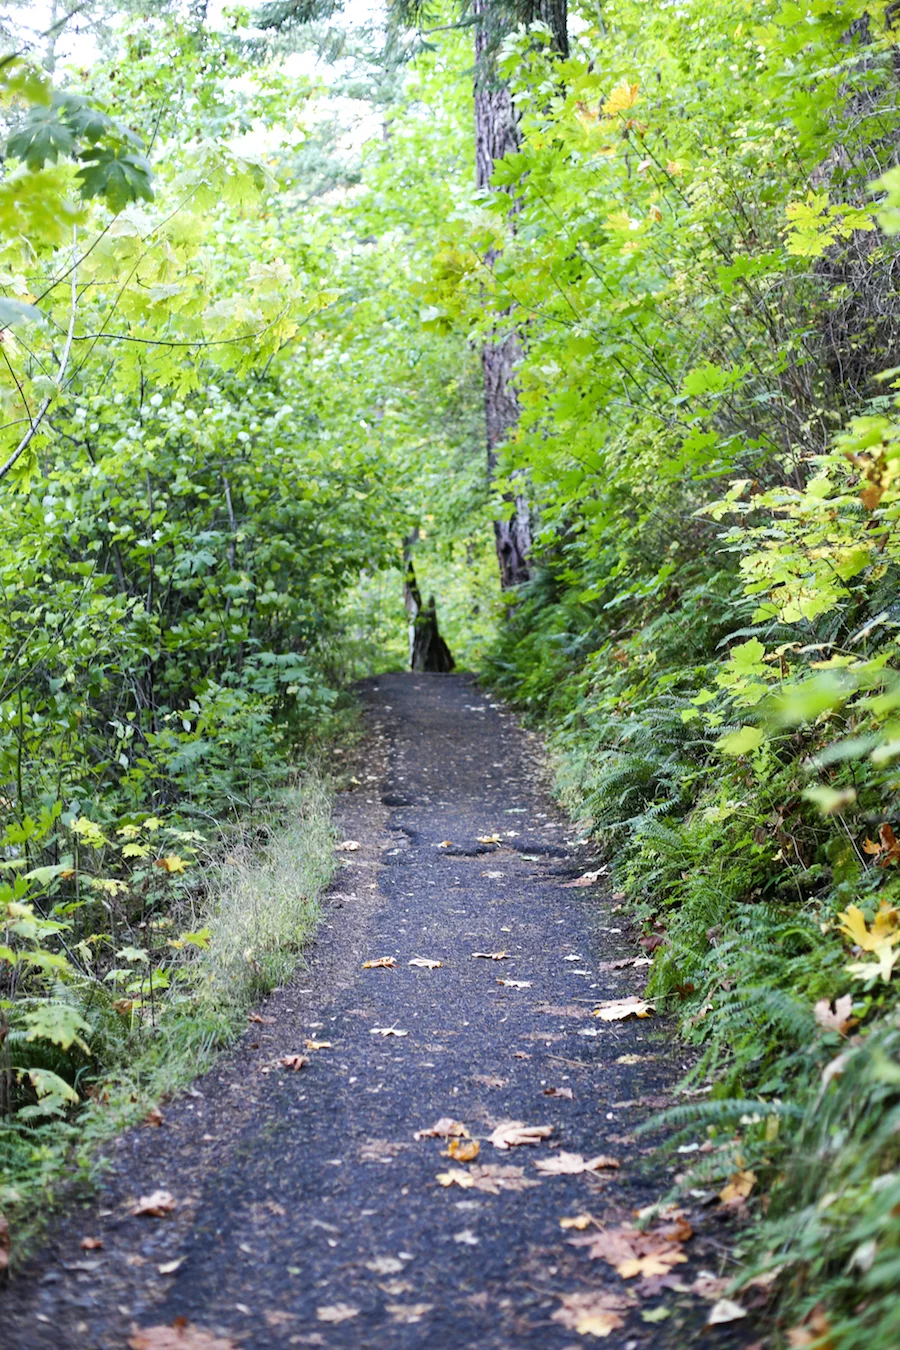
column 308, row 1214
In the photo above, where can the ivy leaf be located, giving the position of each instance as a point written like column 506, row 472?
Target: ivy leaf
column 119, row 175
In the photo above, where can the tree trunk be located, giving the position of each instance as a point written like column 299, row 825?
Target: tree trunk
column 497, row 134
column 427, row 649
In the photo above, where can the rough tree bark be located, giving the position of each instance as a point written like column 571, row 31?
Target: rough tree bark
column 497, row 134
column 427, row 649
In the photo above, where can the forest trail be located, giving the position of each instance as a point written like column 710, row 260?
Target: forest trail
column 303, row 1196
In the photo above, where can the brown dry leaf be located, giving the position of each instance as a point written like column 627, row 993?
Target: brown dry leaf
column 586, row 879
column 515, row 984
column 513, row 1133
column 738, row 1187
column 591, row 1313
column 571, row 1164
column 616, row 1010
column 725, row 1311
column 348, row 846
column 318, row 1045
column 410, row 1313
column 559, row 1092
column 488, row 838
column 813, row 1328
column 445, row 1128
column 386, row 1031
column 154, row 1116
column 489, row 1177
column 579, row 1221
column 611, row 1245
column 490, row 956
column 446, row 843
column 489, row 1080
column 425, row 963
column 462, row 1150
column 396, row 1288
column 263, row 1021
column 337, row 1312
column 709, row 1286
column 294, row 1062
column 385, row 1265
column 154, row 1206
column 91, row 1244
column 381, row 963
column 839, row 1020
column 521, row 1054
column 380, row 1150
column 180, row 1335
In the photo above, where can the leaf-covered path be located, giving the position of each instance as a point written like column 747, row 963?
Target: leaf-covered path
column 306, row 1211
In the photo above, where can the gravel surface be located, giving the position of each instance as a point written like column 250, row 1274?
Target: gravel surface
column 303, row 1196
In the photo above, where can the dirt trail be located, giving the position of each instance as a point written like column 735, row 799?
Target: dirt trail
column 302, row 1191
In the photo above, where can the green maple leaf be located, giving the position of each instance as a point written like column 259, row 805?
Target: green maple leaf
column 119, row 175
column 43, row 136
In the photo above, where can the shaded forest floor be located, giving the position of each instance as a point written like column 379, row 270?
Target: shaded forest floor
column 305, row 1211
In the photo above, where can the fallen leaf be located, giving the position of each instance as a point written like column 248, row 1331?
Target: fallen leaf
column 513, row 1133
column 725, row 1311
column 425, row 963
column 813, row 1329
column 387, row 1031
column 738, row 1187
column 179, row 1335
column 571, row 1164
column 466, row 1238
column 446, row 843
column 591, row 1313
column 264, row 1021
column 154, row 1206
column 488, row 838
column 615, row 1010
column 489, row 1080
column 586, row 879
column 348, row 846
column 154, row 1116
column 278, row 1318
column 839, row 1020
column 515, row 984
column 656, row 1315
column 381, row 963
column 559, row 1092
column 294, row 1062
column 337, row 1312
column 170, row 1267
column 410, row 1313
column 573, row 958
column 489, row 1177
column 579, row 1221
column 445, row 1128
column 521, row 1054
column 91, row 1244
column 395, row 1288
column 171, row 863
column 491, row 956
column 462, row 1150
column 318, row 1045
column 654, row 1263
column 385, row 1265
column 380, row 1150
column 709, row 1286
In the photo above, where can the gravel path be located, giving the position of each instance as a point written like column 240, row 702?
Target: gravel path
column 307, row 1212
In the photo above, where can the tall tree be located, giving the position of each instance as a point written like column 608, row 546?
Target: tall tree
column 496, row 135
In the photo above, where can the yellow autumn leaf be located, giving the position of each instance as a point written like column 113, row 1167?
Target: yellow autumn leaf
column 171, row 863
column 883, row 931
column 624, row 96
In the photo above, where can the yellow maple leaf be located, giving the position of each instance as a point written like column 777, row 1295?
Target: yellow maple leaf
column 624, row 96
column 171, row 863
column 883, row 931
